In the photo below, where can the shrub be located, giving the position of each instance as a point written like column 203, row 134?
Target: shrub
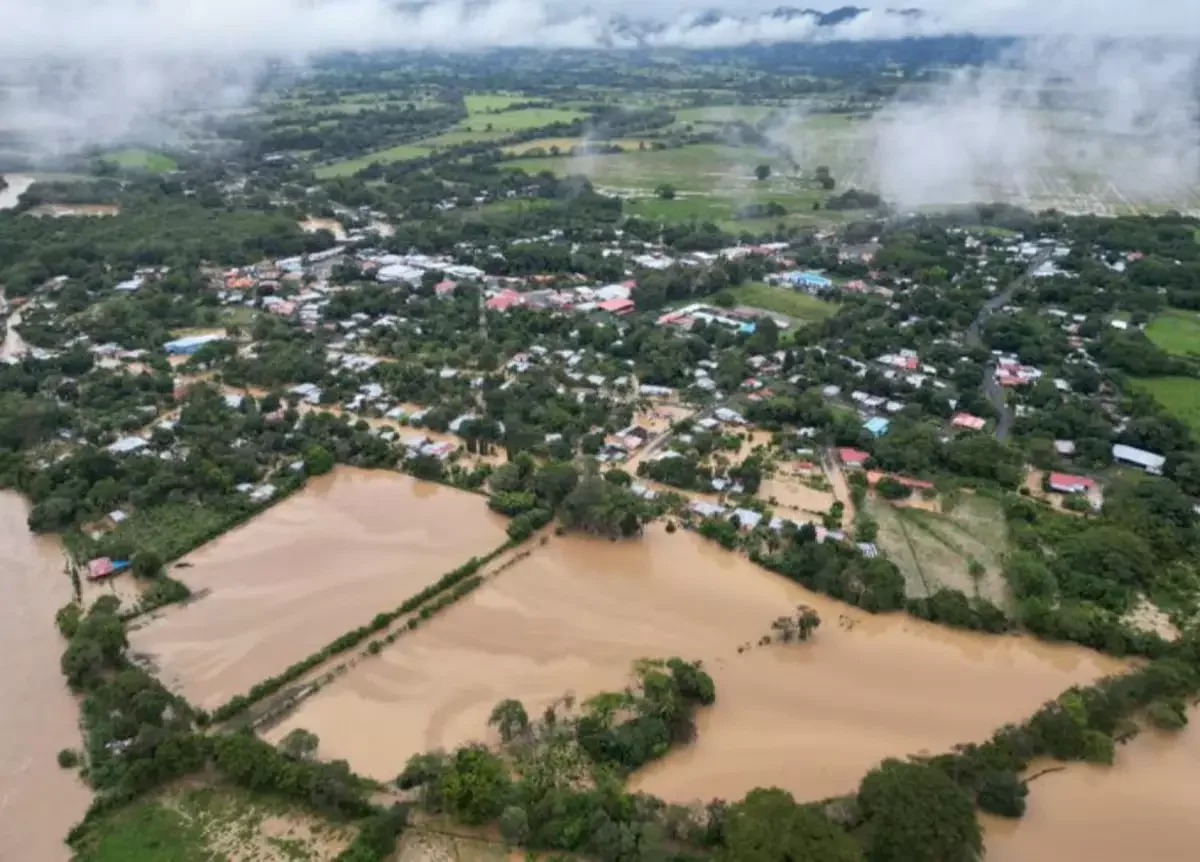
column 68, row 758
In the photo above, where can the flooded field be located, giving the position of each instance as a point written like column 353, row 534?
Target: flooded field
column 39, row 801
column 350, row 545
column 1145, row 806
column 812, row 718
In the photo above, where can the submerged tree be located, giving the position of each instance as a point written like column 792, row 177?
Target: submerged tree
column 300, row 744
column 509, row 717
column 799, row 627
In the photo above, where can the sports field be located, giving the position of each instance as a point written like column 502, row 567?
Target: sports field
column 145, row 160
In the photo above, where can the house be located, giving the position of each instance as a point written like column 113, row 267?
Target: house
column 747, row 519
column 103, row 567
column 806, row 280
column 504, row 300
column 616, row 306
column 1065, row 483
column 190, row 344
column 852, row 457
column 724, row 414
column 966, row 420
column 1148, row 461
column 1065, row 448
column 127, row 445
column 877, row 426
column 706, row 510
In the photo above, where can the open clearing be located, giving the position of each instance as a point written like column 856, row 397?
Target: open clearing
column 478, row 103
column 934, row 549
column 572, row 616
column 783, row 300
column 202, row 825
column 326, row 560
column 1176, row 331
column 146, row 160
column 1179, row 395
column 349, row 167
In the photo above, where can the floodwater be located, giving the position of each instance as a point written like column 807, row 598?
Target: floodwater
column 1145, row 806
column 334, row 226
column 39, row 802
column 350, row 545
column 13, row 346
column 812, row 718
column 11, row 195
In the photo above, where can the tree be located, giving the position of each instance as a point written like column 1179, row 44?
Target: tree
column 300, row 744
column 666, row 192
column 317, row 460
column 1003, row 794
column 514, row 825
column 916, row 813
column 147, row 564
column 768, row 826
column 509, row 717
column 474, row 788
column 762, row 172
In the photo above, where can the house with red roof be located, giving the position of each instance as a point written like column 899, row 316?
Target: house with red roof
column 616, row 306
column 852, row 457
column 968, row 421
column 1066, row 483
column 504, row 300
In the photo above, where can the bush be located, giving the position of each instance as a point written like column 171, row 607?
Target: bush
column 1167, row 714
column 68, row 758
column 1002, row 794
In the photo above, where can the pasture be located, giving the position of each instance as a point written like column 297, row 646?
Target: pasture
column 1179, row 395
column 1177, row 331
column 783, row 300
column 141, row 160
column 349, row 167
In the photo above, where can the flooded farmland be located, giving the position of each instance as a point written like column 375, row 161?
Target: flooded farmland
column 39, row 801
column 812, row 718
column 280, row 587
column 1145, row 806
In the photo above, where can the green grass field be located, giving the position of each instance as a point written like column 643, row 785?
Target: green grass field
column 710, row 168
column 518, row 121
column 349, row 167
column 171, row 529
column 144, row 160
column 1176, row 331
column 477, row 103
column 218, row 824
column 1179, row 395
column 783, row 300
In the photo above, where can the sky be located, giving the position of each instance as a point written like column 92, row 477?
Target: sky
column 40, row 28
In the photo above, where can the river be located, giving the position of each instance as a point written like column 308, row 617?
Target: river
column 812, row 718
column 39, row 802
column 1145, row 806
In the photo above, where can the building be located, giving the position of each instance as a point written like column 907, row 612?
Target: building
column 747, row 519
column 966, row 420
column 127, row 445
column 103, row 567
column 1066, row 483
column 1148, row 461
column 190, row 344
column 852, row 457
column 877, row 426
column 616, row 306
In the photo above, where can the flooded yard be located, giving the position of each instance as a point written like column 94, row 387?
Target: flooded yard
column 1145, row 806
column 812, row 718
column 350, row 545
column 39, row 801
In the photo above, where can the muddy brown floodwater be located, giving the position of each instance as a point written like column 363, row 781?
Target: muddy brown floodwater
column 351, row 544
column 812, row 718
column 39, row 801
column 1146, row 806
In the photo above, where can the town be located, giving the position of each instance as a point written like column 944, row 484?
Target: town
column 460, row 501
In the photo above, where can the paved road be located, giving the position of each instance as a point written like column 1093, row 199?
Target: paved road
column 991, row 388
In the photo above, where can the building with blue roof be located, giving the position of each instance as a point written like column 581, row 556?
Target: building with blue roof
column 190, row 344
column 877, row 426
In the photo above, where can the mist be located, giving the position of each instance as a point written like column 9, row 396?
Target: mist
column 1072, row 123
